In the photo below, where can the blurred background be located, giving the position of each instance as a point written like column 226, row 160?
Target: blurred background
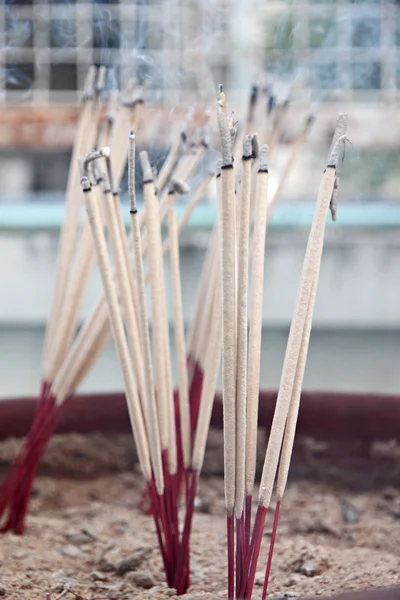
column 324, row 57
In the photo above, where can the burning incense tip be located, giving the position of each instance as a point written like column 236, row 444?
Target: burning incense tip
column 337, row 151
column 226, row 130
column 220, row 89
column 247, row 147
column 146, row 168
column 88, row 89
column 94, row 155
column 263, row 165
column 85, row 183
column 178, row 186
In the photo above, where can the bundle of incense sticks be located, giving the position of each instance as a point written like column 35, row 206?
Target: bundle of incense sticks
column 241, row 364
column 157, row 421
column 170, row 430
column 68, row 354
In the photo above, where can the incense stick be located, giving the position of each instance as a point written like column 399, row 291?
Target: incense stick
column 157, row 296
column 83, row 139
column 117, row 327
column 290, row 429
column 183, row 384
column 228, row 272
column 149, row 395
column 292, row 357
column 254, row 352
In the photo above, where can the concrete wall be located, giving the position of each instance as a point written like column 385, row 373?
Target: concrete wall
column 356, row 337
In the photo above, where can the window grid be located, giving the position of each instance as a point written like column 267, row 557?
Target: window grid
column 365, row 53
column 145, row 39
column 323, row 45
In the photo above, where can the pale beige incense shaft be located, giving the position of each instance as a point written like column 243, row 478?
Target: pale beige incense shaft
column 189, row 209
column 183, row 383
column 153, row 433
column 296, row 333
column 241, row 380
column 77, row 284
column 204, row 290
column 75, row 294
column 124, row 288
column 206, row 307
column 99, row 319
column 157, row 292
column 170, row 161
column 256, row 309
column 88, row 340
column 184, row 171
column 211, row 370
column 290, row 429
column 228, row 274
column 83, row 141
column 117, row 326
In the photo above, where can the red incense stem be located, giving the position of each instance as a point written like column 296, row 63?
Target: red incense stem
column 154, row 500
column 164, row 524
column 230, row 541
column 22, row 488
column 182, row 571
column 255, row 549
column 12, row 482
column 240, row 555
column 13, row 475
column 271, row 549
column 247, row 527
column 239, row 552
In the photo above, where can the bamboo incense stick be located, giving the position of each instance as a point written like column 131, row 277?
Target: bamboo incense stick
column 149, row 395
column 295, row 337
column 198, row 194
column 83, row 139
column 228, row 272
column 228, row 268
column 171, row 159
column 290, row 429
column 123, row 274
column 292, row 356
column 157, row 296
column 93, row 325
column 287, row 446
column 241, row 352
column 76, row 289
column 178, row 187
column 254, row 351
column 135, row 413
